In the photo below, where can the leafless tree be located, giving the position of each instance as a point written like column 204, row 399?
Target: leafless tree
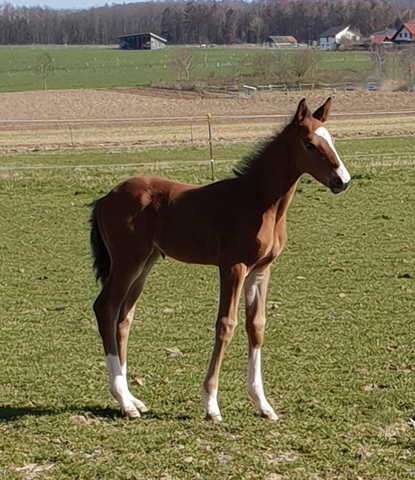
column 262, row 67
column 183, row 63
column 198, row 21
column 44, row 67
column 408, row 65
column 378, row 57
column 303, row 64
column 271, row 67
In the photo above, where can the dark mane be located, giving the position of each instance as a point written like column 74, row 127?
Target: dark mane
column 247, row 163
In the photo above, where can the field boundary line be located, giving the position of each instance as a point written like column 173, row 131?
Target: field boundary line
column 60, row 147
column 195, row 118
column 190, row 163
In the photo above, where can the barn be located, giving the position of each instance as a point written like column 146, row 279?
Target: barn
column 280, row 41
column 141, row 41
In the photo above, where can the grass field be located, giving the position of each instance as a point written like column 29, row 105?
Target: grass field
column 339, row 358
column 93, row 67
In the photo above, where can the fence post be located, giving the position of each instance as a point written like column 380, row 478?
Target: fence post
column 191, row 130
column 70, row 131
column 212, row 165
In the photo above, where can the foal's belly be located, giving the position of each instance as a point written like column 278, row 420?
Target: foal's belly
column 187, row 241
column 189, row 252
column 215, row 248
column 216, row 237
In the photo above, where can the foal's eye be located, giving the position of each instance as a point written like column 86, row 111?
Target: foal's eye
column 309, row 146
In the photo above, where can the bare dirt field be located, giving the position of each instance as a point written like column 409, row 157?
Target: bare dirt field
column 149, row 116
column 145, row 103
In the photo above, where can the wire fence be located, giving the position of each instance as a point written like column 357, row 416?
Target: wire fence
column 20, row 135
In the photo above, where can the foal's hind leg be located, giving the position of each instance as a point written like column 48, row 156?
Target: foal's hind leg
column 107, row 309
column 256, row 285
column 126, row 317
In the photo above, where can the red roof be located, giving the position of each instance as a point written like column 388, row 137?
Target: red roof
column 381, row 38
column 409, row 26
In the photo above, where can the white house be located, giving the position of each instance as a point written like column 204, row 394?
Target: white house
column 334, row 35
column 405, row 34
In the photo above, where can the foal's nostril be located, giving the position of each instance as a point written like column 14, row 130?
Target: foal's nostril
column 337, row 185
column 336, row 182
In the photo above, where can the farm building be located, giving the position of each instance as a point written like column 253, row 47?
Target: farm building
column 141, row 41
column 405, row 34
column 334, row 35
column 280, row 41
column 383, row 36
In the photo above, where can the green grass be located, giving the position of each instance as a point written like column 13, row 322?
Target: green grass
column 339, row 369
column 404, row 147
column 93, row 67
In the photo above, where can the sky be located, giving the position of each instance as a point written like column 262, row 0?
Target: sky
column 79, row 4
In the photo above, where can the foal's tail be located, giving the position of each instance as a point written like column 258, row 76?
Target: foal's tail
column 102, row 260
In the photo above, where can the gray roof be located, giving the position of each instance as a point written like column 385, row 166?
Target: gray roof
column 333, row 31
column 388, row 32
column 145, row 33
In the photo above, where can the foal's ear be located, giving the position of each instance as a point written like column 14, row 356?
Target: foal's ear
column 302, row 112
column 323, row 112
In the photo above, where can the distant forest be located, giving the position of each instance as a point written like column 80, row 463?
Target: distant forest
column 198, row 22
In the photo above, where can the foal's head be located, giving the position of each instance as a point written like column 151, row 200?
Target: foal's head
column 314, row 148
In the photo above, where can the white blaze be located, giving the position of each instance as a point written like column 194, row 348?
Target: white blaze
column 341, row 171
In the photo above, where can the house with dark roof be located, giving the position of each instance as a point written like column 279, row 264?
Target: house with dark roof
column 280, row 41
column 334, row 36
column 405, row 34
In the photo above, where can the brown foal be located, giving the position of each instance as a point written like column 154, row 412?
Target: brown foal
column 237, row 224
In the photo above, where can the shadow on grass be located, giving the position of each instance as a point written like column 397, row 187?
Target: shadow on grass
column 11, row 414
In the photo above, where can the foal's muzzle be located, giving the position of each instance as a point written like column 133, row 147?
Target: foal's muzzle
column 337, row 185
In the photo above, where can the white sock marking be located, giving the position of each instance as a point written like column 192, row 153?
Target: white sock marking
column 341, row 171
column 118, row 384
column 211, row 403
column 255, row 385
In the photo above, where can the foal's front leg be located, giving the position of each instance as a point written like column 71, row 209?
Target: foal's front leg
column 231, row 281
column 256, row 285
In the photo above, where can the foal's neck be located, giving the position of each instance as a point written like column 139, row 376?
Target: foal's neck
column 273, row 179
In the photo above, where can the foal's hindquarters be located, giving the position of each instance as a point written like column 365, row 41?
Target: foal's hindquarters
column 123, row 261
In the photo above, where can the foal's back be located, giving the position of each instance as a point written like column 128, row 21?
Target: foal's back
column 186, row 222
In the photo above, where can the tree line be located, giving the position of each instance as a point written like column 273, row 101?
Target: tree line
column 198, row 22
